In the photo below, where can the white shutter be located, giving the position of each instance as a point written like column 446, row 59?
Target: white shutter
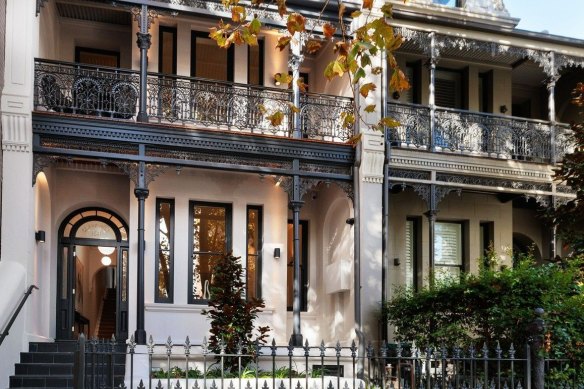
column 448, row 244
column 409, row 255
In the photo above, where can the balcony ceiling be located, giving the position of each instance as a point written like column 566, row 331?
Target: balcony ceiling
column 94, row 14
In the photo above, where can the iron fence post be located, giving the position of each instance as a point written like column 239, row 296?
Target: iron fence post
column 79, row 369
column 536, row 340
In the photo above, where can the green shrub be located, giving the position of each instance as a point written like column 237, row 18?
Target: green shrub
column 496, row 306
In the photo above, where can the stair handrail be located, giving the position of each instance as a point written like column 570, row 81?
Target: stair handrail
column 15, row 314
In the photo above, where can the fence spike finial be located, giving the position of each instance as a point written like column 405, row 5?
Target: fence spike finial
column 168, row 347
column 141, row 385
column 187, row 347
column 485, row 351
column 150, row 345
column 159, row 386
column 132, row 344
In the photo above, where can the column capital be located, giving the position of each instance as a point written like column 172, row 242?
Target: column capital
column 144, row 40
column 141, row 193
column 295, row 205
column 431, row 214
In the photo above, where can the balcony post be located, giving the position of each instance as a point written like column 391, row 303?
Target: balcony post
column 431, row 215
column 296, row 59
column 295, row 205
column 141, row 192
column 432, row 95
column 551, row 87
column 144, row 18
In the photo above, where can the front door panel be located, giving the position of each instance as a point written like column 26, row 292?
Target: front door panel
column 65, row 292
column 122, row 295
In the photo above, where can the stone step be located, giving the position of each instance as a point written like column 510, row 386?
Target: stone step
column 52, row 346
column 35, row 381
column 43, row 369
column 47, row 357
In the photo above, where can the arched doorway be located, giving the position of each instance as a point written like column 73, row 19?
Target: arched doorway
column 524, row 245
column 89, row 299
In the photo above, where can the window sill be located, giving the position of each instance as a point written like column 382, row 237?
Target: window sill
column 188, row 308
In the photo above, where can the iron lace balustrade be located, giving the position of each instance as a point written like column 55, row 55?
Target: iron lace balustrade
column 475, row 133
column 113, row 93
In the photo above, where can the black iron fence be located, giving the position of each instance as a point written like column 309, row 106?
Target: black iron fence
column 113, row 93
column 100, row 364
column 476, row 133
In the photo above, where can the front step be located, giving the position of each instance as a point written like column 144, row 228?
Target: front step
column 50, row 365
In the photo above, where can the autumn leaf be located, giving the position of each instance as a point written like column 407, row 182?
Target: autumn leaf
column 368, row 4
column 359, row 74
column 376, row 70
column 398, row 81
column 296, row 23
column 387, row 10
column 313, row 46
column 238, row 13
column 334, row 69
column 370, row 108
column 283, row 78
column 276, row 118
column 282, row 9
column 303, row 87
column 348, row 119
column 328, row 30
column 366, row 88
column 388, row 122
column 262, row 109
column 355, row 139
column 254, row 26
column 293, row 108
column 283, row 42
column 356, row 14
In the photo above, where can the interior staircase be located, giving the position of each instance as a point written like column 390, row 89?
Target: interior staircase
column 107, row 323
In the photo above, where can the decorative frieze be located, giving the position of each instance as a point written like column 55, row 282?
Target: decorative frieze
column 372, row 157
column 16, row 132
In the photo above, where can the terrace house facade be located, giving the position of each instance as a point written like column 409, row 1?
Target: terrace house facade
column 128, row 166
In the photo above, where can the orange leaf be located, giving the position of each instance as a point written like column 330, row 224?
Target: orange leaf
column 368, row 4
column 328, row 30
column 276, row 118
column 238, row 13
column 313, row 46
column 296, row 23
column 282, row 7
column 303, row 87
column 366, row 88
column 398, row 81
column 283, row 42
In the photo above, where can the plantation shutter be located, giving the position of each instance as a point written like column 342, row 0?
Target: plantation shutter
column 409, row 254
column 448, row 244
column 448, row 89
column 408, row 95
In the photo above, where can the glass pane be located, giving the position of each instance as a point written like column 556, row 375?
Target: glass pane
column 124, row 275
column 124, row 234
column 202, row 275
column 254, row 65
column 211, row 60
column 209, row 242
column 253, row 251
column 164, row 254
column 448, row 244
column 64, row 272
column 95, row 230
column 67, row 230
column 447, row 3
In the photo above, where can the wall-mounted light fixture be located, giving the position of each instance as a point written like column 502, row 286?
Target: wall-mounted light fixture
column 396, row 262
column 277, row 79
column 503, row 109
column 277, row 253
column 350, row 221
column 396, row 95
column 106, row 261
column 40, row 236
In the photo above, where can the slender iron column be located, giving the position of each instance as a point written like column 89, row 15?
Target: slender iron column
column 141, row 193
column 432, row 96
column 295, row 205
column 551, row 87
column 143, row 42
column 431, row 215
column 296, row 59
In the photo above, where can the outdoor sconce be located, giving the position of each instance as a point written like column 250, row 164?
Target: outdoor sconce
column 276, row 79
column 396, row 95
column 277, row 253
column 503, row 109
column 39, row 236
column 350, row 221
column 396, row 262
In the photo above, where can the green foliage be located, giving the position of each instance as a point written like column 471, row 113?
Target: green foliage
column 496, row 306
column 232, row 316
column 177, row 372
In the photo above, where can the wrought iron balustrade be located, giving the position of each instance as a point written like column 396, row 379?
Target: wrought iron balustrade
column 113, row 93
column 476, row 133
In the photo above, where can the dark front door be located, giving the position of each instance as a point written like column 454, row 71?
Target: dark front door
column 92, row 275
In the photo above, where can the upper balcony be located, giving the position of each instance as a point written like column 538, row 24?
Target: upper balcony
column 79, row 89
column 478, row 134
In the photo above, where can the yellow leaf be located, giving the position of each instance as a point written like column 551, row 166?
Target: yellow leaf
column 334, row 69
column 238, row 13
column 293, row 108
column 283, row 42
column 366, row 88
column 355, row 139
column 276, row 118
column 296, row 23
column 328, row 30
column 386, row 9
column 303, row 87
column 370, row 108
column 356, row 14
column 262, row 108
column 283, row 78
column 398, row 81
column 313, row 46
column 388, row 122
column 254, row 26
